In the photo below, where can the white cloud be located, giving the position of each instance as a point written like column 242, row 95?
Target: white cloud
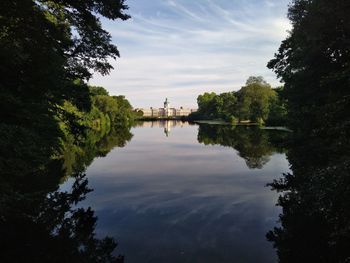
column 179, row 49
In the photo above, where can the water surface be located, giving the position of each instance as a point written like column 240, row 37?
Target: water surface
column 187, row 193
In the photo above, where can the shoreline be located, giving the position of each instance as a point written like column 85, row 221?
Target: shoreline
column 217, row 122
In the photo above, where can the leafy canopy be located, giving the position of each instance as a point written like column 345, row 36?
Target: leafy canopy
column 255, row 102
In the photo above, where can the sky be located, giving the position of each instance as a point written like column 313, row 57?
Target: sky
column 178, row 49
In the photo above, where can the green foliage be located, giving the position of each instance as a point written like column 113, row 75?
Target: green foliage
column 96, row 143
column 277, row 110
column 106, row 104
column 107, row 123
column 96, row 90
column 35, row 215
column 48, row 51
column 107, row 115
column 313, row 62
column 206, row 105
column 125, row 113
column 231, row 119
column 213, row 106
column 255, row 102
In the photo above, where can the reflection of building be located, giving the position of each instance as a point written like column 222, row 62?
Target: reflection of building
column 169, row 124
column 166, row 125
column 167, row 128
column 166, row 111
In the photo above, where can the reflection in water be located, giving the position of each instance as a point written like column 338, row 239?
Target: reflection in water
column 166, row 124
column 253, row 144
column 172, row 199
column 165, row 199
column 39, row 223
column 169, row 124
column 78, row 158
column 45, row 227
column 315, row 223
column 167, row 128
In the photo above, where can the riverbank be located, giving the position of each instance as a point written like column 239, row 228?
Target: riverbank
column 217, row 122
column 221, row 122
column 277, row 128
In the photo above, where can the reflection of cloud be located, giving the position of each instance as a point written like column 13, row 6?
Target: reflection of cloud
column 181, row 48
column 193, row 213
column 161, row 196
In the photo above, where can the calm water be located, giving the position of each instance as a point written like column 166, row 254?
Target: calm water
column 187, row 193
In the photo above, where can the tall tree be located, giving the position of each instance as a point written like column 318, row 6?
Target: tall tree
column 48, row 50
column 206, row 104
column 313, row 62
column 254, row 100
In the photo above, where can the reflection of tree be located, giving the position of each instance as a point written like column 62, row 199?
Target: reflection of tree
column 315, row 223
column 48, row 227
column 39, row 223
column 78, row 157
column 253, row 144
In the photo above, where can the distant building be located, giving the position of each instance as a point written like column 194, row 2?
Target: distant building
column 166, row 111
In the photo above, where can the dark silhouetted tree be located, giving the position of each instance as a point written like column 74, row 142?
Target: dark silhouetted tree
column 313, row 63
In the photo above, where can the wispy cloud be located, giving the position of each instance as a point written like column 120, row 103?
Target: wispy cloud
column 179, row 49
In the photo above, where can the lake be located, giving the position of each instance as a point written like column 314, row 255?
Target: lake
column 180, row 192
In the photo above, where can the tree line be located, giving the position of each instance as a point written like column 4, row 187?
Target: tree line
column 105, row 126
column 256, row 102
column 106, row 112
column 52, row 123
column 48, row 52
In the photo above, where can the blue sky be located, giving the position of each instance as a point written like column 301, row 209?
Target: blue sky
column 182, row 48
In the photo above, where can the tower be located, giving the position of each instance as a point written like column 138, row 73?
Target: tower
column 166, row 107
column 166, row 103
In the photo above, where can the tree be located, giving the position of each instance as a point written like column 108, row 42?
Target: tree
column 256, row 80
column 254, row 100
column 206, row 105
column 277, row 109
column 229, row 106
column 48, row 49
column 313, row 63
column 95, row 90
column 124, row 112
column 46, row 45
